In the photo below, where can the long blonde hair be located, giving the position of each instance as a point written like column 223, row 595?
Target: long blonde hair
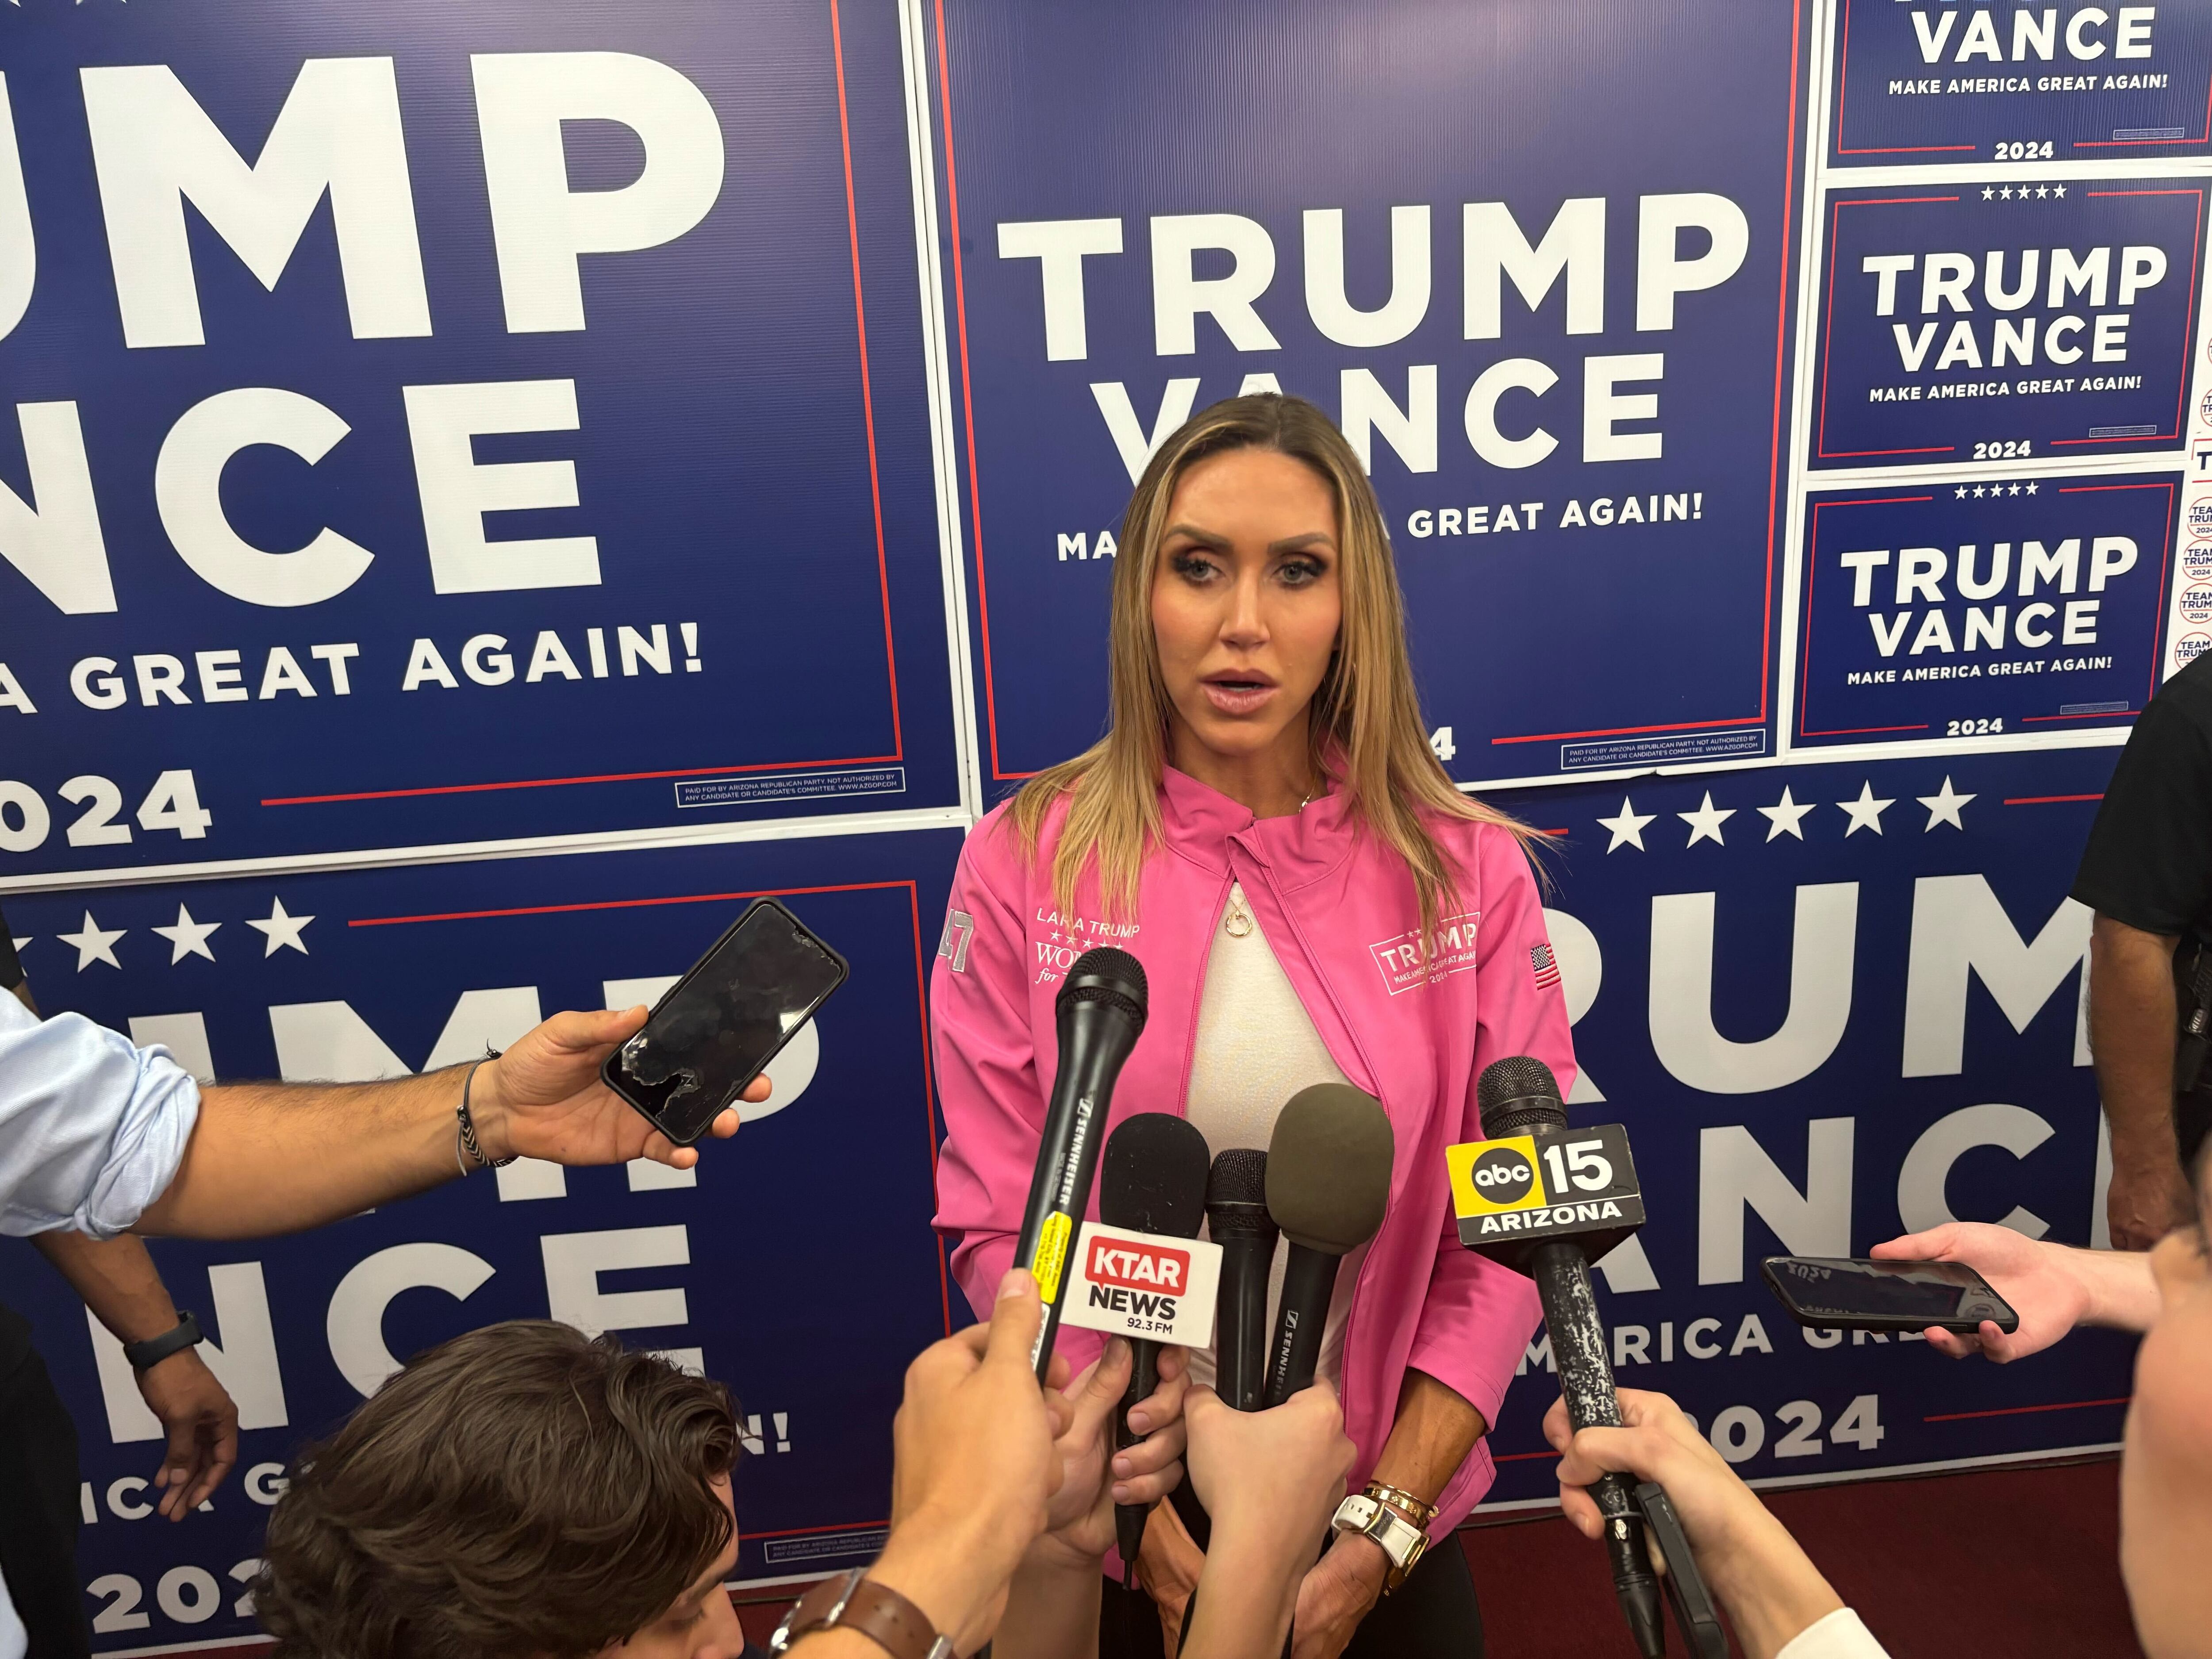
column 1366, row 726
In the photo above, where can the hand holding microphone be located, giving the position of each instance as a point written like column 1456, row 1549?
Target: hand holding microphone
column 1100, row 1013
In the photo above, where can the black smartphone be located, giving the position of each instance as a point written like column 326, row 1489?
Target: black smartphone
column 1695, row 1614
column 722, row 1022
column 1845, row 1293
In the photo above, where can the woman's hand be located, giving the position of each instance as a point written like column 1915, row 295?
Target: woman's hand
column 1770, row 1589
column 1339, row 1591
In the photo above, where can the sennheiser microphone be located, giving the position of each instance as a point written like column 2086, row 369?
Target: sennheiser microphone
column 1100, row 1012
column 1154, row 1182
column 1237, row 1219
column 1328, row 1182
column 1517, row 1097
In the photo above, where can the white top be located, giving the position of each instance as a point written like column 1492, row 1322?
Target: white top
column 1256, row 1047
column 1839, row 1635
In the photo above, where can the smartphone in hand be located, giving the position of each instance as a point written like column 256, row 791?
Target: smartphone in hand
column 722, row 1022
column 1855, row 1294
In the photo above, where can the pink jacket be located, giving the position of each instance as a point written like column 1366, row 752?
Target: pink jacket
column 1413, row 1028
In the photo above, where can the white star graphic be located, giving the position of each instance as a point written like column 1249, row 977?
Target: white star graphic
column 283, row 930
column 1962, row 492
column 2006, row 193
column 1784, row 815
column 2041, row 192
column 1866, row 811
column 2058, row 190
column 2014, row 490
column 1943, row 807
column 1978, row 492
column 1628, row 828
column 1705, row 822
column 2031, row 489
column 1988, row 194
column 94, row 943
column 188, row 937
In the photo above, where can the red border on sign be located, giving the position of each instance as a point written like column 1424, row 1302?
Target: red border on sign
column 1842, row 89
column 1820, row 450
column 920, row 993
column 921, row 1004
column 2157, row 612
column 2197, row 248
column 1805, row 646
column 1774, row 459
column 1812, row 572
column 883, row 569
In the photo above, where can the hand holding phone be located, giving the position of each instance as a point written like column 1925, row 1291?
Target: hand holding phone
column 1856, row 1294
column 722, row 1022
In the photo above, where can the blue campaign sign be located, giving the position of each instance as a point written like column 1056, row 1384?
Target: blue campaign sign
column 1973, row 609
column 1991, row 321
column 1933, row 81
column 431, row 426
column 1831, row 1003
column 1543, row 294
column 799, row 1266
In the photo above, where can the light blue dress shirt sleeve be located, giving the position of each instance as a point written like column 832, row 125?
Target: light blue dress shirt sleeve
column 92, row 1127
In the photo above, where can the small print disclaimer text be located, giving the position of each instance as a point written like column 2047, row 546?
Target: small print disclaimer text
column 824, row 1546
column 1655, row 751
column 763, row 788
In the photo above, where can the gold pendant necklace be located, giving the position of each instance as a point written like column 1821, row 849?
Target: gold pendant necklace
column 1236, row 924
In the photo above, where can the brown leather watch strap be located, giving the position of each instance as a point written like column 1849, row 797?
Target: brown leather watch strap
column 867, row 1608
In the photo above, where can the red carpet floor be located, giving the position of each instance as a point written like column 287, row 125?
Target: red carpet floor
column 2018, row 1562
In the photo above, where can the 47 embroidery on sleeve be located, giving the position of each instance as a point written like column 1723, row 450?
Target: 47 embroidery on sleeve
column 959, row 928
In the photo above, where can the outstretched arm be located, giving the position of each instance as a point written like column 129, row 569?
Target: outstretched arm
column 274, row 1157
column 2052, row 1287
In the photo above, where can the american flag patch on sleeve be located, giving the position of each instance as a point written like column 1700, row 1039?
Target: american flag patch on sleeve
column 1544, row 966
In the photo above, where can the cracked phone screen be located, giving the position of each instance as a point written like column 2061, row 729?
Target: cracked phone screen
column 726, row 1019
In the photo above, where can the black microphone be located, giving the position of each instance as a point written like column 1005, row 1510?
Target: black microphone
column 1237, row 1219
column 1328, row 1182
column 1154, row 1183
column 1517, row 1097
column 1100, row 1013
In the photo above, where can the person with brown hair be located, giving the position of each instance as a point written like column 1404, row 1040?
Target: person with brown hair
column 524, row 1491
column 1265, row 826
column 519, row 1489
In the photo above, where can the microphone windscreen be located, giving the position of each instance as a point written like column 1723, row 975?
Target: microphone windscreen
column 1239, row 1176
column 1517, row 1095
column 1328, row 1168
column 1154, row 1179
column 1107, row 976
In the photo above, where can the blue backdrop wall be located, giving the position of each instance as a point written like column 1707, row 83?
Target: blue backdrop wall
column 484, row 489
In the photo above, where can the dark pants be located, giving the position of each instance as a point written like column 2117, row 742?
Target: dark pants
column 1434, row 1616
column 39, row 1512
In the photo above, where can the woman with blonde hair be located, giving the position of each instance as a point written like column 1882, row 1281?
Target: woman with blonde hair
column 1265, row 827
